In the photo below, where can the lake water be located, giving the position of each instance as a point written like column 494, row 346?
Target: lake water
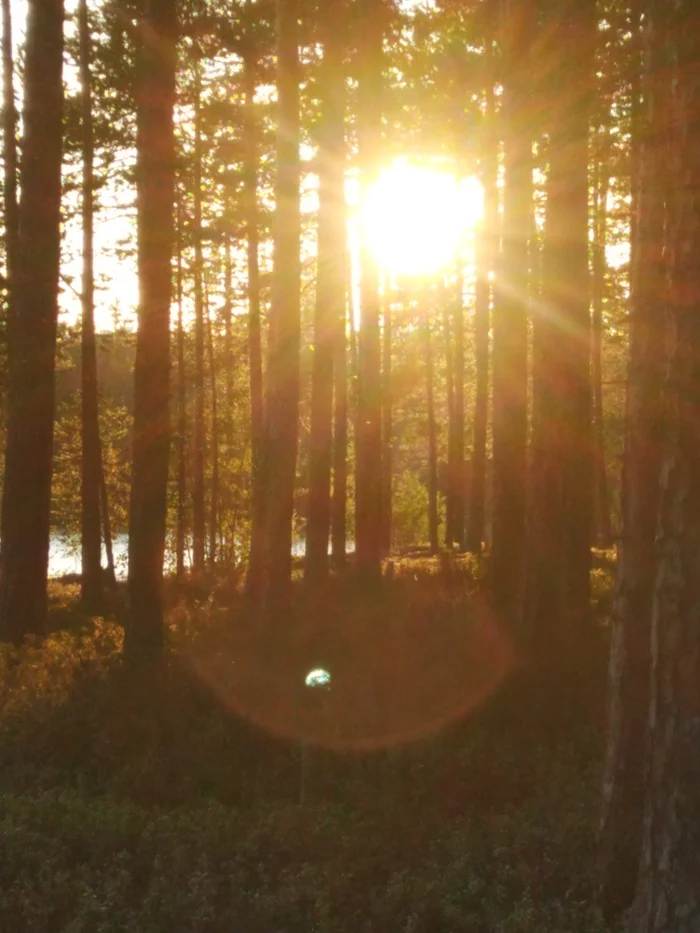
column 64, row 555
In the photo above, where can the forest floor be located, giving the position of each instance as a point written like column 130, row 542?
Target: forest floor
column 222, row 794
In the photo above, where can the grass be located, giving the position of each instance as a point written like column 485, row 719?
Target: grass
column 170, row 802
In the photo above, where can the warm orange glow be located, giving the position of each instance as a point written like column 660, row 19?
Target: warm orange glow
column 415, row 218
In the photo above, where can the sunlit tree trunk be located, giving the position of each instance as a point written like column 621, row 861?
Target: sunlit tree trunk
column 155, row 173
column 602, row 503
column 368, row 440
column 510, row 313
column 387, row 425
column 198, row 493
column 451, row 471
column 283, row 377
column 181, row 521
column 254, row 579
column 340, row 436
column 9, row 147
column 630, row 661
column 458, row 518
column 214, row 498
column 433, row 529
column 91, row 581
column 487, row 239
column 668, row 893
column 32, row 333
column 330, row 288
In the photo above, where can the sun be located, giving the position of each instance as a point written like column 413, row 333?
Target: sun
column 415, row 218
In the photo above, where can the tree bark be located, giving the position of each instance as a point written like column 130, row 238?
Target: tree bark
column 433, row 529
column 198, row 492
column 602, row 503
column 340, row 433
column 144, row 634
column 458, row 517
column 91, row 579
column 387, row 426
column 451, row 472
column 486, row 250
column 668, row 893
column 9, row 148
column 32, row 334
column 630, row 660
column 510, row 313
column 181, row 522
column 330, row 288
column 368, row 440
column 559, row 552
column 214, row 498
column 283, row 379
column 256, row 562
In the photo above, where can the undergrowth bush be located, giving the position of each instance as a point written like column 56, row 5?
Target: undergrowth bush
column 148, row 803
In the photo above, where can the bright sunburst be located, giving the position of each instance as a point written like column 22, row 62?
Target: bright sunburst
column 415, row 217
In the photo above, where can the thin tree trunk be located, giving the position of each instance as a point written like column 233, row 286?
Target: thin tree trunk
column 330, row 288
column 282, row 427
column 630, row 660
column 107, row 529
column 9, row 148
column 91, row 553
column 198, row 492
column 602, row 504
column 458, row 518
column 340, row 435
column 486, row 250
column 368, row 439
column 256, row 562
column 433, row 530
column 668, row 893
column 387, row 425
column 510, row 323
column 214, row 501
column 32, row 334
column 451, row 472
column 181, row 523
column 155, row 144
column 228, row 531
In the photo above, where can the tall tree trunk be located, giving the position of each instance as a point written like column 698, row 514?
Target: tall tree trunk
column 283, row 381
column 155, row 144
column 457, row 305
column 668, row 894
column 562, row 465
column 387, row 425
column 181, row 522
column 340, row 433
column 451, row 472
column 256, row 563
column 32, row 334
column 572, row 148
column 214, row 501
column 228, row 531
column 510, row 322
column 602, row 503
column 330, row 288
column 198, row 493
column 91, row 580
column 486, row 250
column 368, row 440
column 630, row 661
column 9, row 148
column 432, row 437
